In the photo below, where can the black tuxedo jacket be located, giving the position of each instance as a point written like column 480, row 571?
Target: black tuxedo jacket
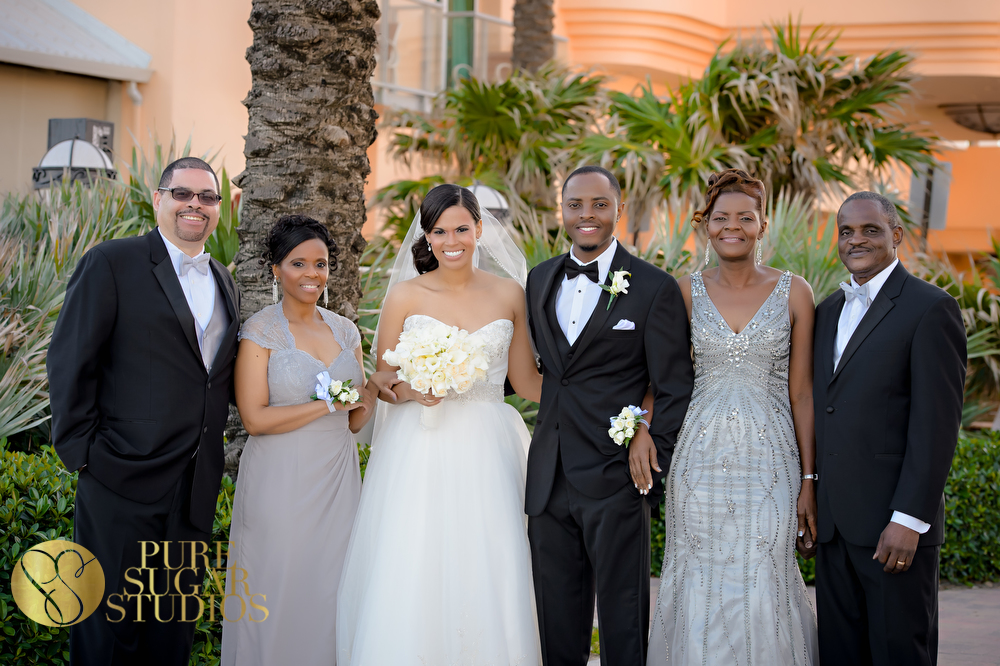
column 131, row 397
column 887, row 420
column 586, row 384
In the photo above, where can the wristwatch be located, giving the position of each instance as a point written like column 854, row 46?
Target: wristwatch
column 814, row 477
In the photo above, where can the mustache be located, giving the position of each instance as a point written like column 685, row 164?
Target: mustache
column 191, row 212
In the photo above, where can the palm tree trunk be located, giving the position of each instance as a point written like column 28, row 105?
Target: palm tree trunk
column 311, row 123
column 533, row 44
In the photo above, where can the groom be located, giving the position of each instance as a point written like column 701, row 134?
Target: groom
column 588, row 522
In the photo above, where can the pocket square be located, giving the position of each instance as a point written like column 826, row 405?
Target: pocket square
column 624, row 325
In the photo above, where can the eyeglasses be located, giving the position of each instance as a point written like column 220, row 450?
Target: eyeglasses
column 183, row 195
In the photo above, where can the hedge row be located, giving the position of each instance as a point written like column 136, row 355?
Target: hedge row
column 38, row 506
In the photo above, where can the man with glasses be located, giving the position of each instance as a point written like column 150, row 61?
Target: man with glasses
column 140, row 372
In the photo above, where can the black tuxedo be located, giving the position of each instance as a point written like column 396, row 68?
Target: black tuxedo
column 887, row 422
column 133, row 401
column 587, row 521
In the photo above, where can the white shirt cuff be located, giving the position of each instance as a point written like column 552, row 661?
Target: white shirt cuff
column 914, row 524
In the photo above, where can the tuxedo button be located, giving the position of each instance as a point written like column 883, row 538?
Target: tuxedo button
column 557, row 426
column 565, row 382
column 571, row 355
column 829, row 410
column 205, row 429
column 210, row 385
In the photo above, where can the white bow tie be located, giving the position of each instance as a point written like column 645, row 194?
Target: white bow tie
column 199, row 263
column 851, row 292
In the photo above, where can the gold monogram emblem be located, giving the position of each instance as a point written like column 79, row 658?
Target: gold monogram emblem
column 58, row 583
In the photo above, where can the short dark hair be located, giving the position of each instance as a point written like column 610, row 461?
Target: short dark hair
column 186, row 163
column 590, row 168
column 889, row 211
column 437, row 201
column 292, row 230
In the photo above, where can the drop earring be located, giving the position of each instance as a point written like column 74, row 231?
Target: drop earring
column 429, row 248
column 326, row 296
column 760, row 251
column 708, row 250
column 274, row 290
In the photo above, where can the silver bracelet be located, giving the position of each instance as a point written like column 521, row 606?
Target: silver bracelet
column 814, row 477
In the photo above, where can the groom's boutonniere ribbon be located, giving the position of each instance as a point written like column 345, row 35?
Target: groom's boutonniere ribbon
column 331, row 391
column 624, row 425
column 619, row 285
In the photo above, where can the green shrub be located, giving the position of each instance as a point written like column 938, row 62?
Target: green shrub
column 971, row 550
column 38, row 497
column 38, row 503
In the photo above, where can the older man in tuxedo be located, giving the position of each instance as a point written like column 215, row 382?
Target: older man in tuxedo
column 890, row 358
column 140, row 369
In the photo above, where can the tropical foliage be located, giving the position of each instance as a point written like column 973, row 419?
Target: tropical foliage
column 42, row 237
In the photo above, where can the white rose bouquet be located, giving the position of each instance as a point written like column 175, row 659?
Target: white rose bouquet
column 438, row 358
column 331, row 391
column 624, row 425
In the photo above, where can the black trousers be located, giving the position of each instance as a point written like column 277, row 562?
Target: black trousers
column 144, row 629
column 868, row 617
column 580, row 542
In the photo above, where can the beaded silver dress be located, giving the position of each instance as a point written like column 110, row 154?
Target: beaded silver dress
column 296, row 496
column 730, row 588
column 438, row 571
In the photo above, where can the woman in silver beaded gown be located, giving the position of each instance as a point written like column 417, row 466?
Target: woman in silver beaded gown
column 730, row 588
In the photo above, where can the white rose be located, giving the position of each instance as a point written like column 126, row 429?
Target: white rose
column 439, row 384
column 619, row 438
column 352, row 395
column 335, row 387
column 612, row 432
column 463, row 385
column 420, row 384
column 629, row 433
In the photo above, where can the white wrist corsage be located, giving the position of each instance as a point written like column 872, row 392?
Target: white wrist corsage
column 619, row 285
column 624, row 425
column 332, row 391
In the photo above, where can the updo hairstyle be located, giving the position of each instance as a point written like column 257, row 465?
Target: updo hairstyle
column 730, row 180
column 292, row 230
column 437, row 201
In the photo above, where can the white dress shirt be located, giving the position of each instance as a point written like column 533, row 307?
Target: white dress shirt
column 199, row 290
column 850, row 317
column 578, row 297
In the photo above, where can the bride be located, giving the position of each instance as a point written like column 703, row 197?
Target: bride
column 438, row 567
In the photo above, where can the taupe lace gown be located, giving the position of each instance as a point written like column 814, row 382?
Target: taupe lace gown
column 730, row 588
column 296, row 497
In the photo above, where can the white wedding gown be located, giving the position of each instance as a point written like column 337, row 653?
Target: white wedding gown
column 438, row 570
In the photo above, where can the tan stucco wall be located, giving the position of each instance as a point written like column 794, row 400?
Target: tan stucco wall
column 29, row 98
column 200, row 72
column 200, row 77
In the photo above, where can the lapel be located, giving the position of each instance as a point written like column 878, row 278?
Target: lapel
column 876, row 312
column 549, row 275
column 827, row 337
column 621, row 261
column 226, row 285
column 167, row 277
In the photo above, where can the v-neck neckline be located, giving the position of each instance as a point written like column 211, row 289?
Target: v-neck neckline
column 749, row 321
column 294, row 344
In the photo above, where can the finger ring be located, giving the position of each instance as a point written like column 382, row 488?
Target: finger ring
column 801, row 533
column 901, row 562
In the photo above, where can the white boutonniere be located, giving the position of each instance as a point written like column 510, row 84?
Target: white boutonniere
column 331, row 391
column 624, row 425
column 619, row 285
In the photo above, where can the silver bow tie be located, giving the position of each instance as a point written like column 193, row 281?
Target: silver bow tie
column 852, row 292
column 199, row 263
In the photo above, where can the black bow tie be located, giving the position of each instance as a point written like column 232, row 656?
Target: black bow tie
column 574, row 269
